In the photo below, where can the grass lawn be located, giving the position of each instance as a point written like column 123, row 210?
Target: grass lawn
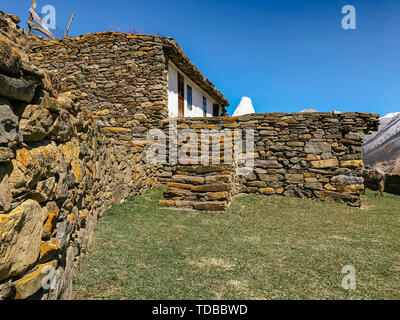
column 261, row 248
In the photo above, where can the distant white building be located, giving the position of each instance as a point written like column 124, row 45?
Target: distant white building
column 245, row 107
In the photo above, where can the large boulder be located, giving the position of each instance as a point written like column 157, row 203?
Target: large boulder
column 8, row 123
column 35, row 123
column 10, row 60
column 17, row 89
column 20, row 239
column 33, row 165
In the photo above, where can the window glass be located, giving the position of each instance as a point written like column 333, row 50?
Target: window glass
column 189, row 97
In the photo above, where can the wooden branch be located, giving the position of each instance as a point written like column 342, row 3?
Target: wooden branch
column 37, row 19
column 34, row 3
column 44, row 31
column 42, row 27
column 69, row 25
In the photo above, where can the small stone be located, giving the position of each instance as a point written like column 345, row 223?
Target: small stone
column 268, row 164
column 330, row 163
column 8, row 123
column 5, row 191
column 317, row 147
column 44, row 190
column 352, row 164
column 294, row 178
column 329, row 187
column 268, row 191
column 6, row 154
column 49, row 250
column 7, row 290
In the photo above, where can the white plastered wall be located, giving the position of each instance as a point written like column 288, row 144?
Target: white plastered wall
column 197, row 95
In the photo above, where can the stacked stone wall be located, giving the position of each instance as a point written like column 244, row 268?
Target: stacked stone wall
column 60, row 169
column 308, row 155
column 121, row 78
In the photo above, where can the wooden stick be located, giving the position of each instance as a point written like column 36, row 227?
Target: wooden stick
column 69, row 25
column 34, row 3
column 37, row 19
column 44, row 31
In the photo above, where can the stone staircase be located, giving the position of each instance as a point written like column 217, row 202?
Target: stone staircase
column 205, row 188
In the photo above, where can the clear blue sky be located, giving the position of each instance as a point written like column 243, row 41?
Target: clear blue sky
column 286, row 55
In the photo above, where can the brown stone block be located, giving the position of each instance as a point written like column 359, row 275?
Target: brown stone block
column 268, row 191
column 352, row 164
column 336, row 196
column 188, row 179
column 296, row 144
column 330, row 163
column 268, row 164
column 212, row 188
column 212, row 196
column 173, row 192
column 294, row 178
column 180, row 185
column 213, row 168
column 210, row 206
column 305, row 136
column 218, row 179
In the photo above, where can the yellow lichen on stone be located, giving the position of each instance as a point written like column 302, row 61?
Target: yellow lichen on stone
column 33, row 281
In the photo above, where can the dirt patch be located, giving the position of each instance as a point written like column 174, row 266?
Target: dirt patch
column 212, row 263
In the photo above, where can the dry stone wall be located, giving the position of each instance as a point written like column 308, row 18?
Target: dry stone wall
column 60, row 169
column 121, row 78
column 308, row 155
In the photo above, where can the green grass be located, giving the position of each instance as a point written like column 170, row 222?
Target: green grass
column 261, row 248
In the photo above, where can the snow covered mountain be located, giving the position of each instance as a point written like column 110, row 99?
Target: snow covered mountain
column 245, row 107
column 383, row 147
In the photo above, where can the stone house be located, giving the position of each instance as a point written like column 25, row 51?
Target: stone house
column 146, row 78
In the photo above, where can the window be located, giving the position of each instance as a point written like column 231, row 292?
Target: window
column 189, row 97
column 204, row 106
column 215, row 110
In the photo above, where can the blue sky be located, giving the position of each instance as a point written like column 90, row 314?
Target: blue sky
column 286, row 55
